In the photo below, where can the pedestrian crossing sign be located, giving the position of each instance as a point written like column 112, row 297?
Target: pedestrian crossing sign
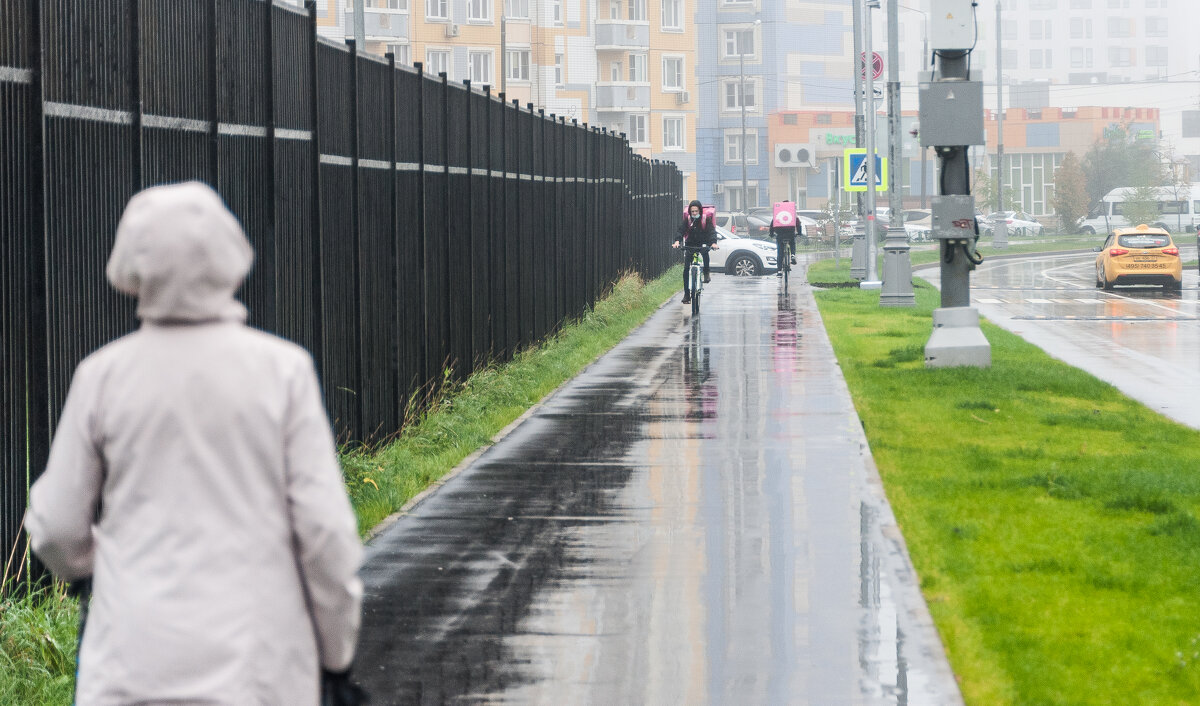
column 854, row 170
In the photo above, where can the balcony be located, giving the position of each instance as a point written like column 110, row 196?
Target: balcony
column 621, row 96
column 622, row 35
column 381, row 25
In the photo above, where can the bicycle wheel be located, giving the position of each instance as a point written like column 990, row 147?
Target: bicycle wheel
column 697, row 284
column 695, row 303
column 787, row 266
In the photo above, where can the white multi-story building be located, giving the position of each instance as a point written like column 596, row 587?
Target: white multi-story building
column 1069, row 41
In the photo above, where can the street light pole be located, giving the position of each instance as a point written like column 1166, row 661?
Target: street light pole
column 897, row 265
column 858, row 251
column 742, row 101
column 1000, row 227
column 360, row 25
column 872, row 281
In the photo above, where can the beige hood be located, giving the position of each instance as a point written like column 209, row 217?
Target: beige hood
column 181, row 253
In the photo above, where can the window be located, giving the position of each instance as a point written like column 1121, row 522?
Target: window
column 733, row 95
column 1043, row 4
column 672, row 14
column 437, row 61
column 556, row 12
column 637, row 68
column 1041, row 29
column 672, row 73
column 479, row 63
column 517, row 9
column 1081, row 4
column 673, row 133
column 739, row 42
column 1081, row 58
column 1035, row 58
column 1120, row 56
column 734, row 198
column 479, row 10
column 1120, row 27
column 436, row 10
column 559, row 70
column 517, row 61
column 1191, row 126
column 614, row 10
column 1156, row 56
column 637, row 10
column 734, row 144
column 390, row 4
column 1156, row 26
column 402, row 52
column 614, row 71
column 1081, row 28
column 637, row 129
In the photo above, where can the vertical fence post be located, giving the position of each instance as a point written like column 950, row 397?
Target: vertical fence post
column 318, row 287
column 211, row 89
column 135, row 90
column 356, row 238
column 37, row 348
column 398, row 385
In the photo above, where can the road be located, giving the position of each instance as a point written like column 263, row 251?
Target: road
column 1144, row 341
column 696, row 519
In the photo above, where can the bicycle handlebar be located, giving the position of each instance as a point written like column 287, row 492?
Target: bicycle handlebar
column 702, row 248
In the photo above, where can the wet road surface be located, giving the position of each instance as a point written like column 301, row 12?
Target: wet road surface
column 1143, row 340
column 695, row 519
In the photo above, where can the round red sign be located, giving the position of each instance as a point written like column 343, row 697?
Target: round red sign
column 876, row 65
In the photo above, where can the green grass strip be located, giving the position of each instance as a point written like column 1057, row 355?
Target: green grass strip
column 1052, row 520
column 467, row 416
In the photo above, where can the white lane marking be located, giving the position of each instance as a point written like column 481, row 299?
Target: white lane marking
column 1090, row 301
column 990, row 301
column 1038, row 301
column 1112, row 295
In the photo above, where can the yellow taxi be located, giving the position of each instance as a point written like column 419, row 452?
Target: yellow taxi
column 1142, row 255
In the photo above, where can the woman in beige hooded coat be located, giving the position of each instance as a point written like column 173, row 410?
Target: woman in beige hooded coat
column 224, row 557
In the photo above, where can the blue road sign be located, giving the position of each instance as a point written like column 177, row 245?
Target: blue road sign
column 855, row 171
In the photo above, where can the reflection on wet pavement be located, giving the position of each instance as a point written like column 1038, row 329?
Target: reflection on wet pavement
column 695, row 519
column 1143, row 340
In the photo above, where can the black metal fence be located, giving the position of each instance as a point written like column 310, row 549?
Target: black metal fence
column 401, row 225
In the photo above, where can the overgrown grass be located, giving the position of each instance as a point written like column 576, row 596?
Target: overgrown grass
column 1052, row 520
column 465, row 417
column 37, row 646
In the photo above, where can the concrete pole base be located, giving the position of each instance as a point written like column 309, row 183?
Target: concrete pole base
column 957, row 341
column 858, row 256
column 897, row 271
column 1000, row 235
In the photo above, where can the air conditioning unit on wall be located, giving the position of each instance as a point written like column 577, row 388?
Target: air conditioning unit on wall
column 682, row 98
column 794, row 155
column 451, row 30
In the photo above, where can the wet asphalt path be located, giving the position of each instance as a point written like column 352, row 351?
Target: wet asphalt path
column 1144, row 341
column 695, row 519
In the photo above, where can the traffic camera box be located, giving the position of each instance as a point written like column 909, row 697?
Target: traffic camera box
column 951, row 113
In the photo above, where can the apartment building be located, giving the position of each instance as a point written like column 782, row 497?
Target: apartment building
column 625, row 65
column 1081, row 42
column 758, row 57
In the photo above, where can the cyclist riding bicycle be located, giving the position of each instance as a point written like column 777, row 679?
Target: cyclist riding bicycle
column 784, row 235
column 696, row 231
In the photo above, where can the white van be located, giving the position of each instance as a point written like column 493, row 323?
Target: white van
column 1177, row 213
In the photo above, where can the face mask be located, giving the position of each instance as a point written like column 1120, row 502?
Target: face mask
column 695, row 217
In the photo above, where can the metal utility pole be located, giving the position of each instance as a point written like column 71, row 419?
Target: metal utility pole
column 897, row 264
column 858, row 253
column 742, row 141
column 951, row 106
column 925, row 150
column 360, row 25
column 1000, row 226
column 504, row 48
column 872, row 281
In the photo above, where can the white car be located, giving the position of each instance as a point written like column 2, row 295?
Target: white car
column 1019, row 223
column 742, row 257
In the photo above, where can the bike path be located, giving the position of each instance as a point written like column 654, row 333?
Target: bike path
column 695, row 519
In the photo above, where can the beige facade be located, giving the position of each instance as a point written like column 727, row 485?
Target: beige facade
column 625, row 65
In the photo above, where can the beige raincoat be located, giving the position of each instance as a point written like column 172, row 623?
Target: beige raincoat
column 225, row 556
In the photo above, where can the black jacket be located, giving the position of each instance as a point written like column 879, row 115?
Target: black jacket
column 787, row 233
column 697, row 233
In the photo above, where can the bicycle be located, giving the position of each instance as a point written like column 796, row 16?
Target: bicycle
column 696, row 274
column 786, row 265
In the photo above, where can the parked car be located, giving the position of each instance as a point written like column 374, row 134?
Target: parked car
column 918, row 224
column 742, row 257
column 1019, row 223
column 733, row 221
column 1142, row 255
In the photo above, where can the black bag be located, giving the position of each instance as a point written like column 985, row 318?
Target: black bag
column 337, row 690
